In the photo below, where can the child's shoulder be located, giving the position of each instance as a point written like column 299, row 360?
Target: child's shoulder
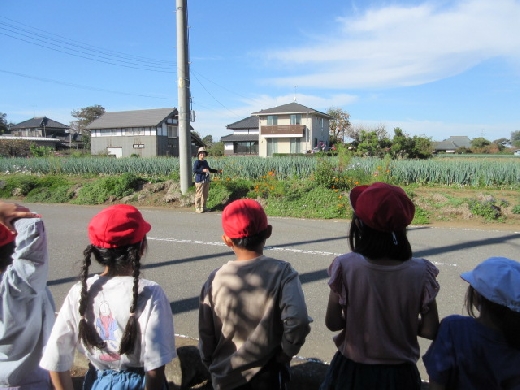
column 458, row 324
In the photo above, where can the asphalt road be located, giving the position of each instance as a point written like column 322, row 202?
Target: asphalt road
column 184, row 247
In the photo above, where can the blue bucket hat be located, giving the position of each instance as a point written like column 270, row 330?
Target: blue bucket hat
column 498, row 280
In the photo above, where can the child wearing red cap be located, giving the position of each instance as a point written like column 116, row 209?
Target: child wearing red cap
column 481, row 352
column 121, row 322
column 27, row 307
column 252, row 312
column 381, row 298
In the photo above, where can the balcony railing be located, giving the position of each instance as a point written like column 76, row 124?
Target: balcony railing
column 283, row 129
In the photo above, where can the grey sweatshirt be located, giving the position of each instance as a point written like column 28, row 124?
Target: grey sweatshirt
column 248, row 312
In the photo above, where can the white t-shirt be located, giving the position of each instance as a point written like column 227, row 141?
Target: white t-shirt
column 108, row 309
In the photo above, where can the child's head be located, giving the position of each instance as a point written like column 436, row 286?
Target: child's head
column 118, row 240
column 245, row 223
column 6, row 247
column 494, row 290
column 381, row 214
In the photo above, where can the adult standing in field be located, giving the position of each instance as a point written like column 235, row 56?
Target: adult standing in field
column 202, row 170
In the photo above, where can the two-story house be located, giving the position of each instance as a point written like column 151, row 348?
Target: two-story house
column 290, row 129
column 145, row 133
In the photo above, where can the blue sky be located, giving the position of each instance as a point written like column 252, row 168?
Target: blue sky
column 432, row 68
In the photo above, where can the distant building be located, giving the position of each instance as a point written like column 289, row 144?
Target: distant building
column 244, row 140
column 146, row 133
column 44, row 131
column 40, row 127
column 291, row 129
column 450, row 145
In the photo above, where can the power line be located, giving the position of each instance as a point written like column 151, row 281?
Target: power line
column 82, row 50
column 78, row 85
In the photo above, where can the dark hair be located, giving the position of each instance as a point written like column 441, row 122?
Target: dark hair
column 117, row 260
column 507, row 320
column 375, row 244
column 6, row 255
column 251, row 243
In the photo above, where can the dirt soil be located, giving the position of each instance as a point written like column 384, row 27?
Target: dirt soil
column 449, row 207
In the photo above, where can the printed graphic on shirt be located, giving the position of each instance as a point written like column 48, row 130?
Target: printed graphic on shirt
column 110, row 333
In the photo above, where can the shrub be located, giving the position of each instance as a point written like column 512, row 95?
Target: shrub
column 485, row 208
column 105, row 188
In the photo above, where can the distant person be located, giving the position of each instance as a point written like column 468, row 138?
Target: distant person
column 481, row 352
column 121, row 322
column 381, row 298
column 27, row 310
column 252, row 312
column 202, row 170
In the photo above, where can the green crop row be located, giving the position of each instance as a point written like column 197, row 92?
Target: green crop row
column 475, row 173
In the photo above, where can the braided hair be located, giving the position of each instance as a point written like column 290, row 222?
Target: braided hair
column 117, row 260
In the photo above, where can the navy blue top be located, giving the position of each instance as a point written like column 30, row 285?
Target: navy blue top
column 200, row 176
column 468, row 355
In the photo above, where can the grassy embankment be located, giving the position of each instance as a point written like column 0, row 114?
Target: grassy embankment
column 455, row 189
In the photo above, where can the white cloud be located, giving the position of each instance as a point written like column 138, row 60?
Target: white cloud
column 402, row 46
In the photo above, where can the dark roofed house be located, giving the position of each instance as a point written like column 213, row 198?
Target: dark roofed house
column 450, row 145
column 41, row 131
column 244, row 140
column 37, row 127
column 146, row 133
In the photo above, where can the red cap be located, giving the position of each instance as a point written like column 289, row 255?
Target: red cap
column 117, row 226
column 243, row 218
column 382, row 206
column 6, row 236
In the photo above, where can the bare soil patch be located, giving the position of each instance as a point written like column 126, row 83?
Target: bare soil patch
column 450, row 207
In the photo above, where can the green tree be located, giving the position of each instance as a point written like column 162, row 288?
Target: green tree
column 404, row 146
column 515, row 138
column 339, row 125
column 3, row 123
column 85, row 116
column 208, row 140
column 372, row 143
column 479, row 142
column 502, row 141
column 216, row 149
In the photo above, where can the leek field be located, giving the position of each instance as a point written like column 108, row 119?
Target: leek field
column 299, row 186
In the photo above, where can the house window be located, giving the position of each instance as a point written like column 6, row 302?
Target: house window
column 108, row 132
column 272, row 146
column 296, row 119
column 245, row 147
column 134, row 131
column 173, row 131
column 296, row 145
column 272, row 120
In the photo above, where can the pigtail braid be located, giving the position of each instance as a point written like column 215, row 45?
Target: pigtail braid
column 86, row 332
column 130, row 334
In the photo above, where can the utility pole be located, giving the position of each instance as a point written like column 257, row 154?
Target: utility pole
column 183, row 85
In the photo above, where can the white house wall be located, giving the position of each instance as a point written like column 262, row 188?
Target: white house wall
column 313, row 134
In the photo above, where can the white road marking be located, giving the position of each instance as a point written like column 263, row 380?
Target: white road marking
column 270, row 248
